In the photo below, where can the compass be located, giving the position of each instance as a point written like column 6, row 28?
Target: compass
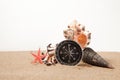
column 68, row 52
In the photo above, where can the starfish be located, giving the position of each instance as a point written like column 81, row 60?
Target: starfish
column 38, row 57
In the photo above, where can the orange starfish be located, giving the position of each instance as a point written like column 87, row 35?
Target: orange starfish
column 38, row 57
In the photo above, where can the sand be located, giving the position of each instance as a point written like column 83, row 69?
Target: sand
column 18, row 66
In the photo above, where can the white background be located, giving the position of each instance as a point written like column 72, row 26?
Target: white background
column 30, row 24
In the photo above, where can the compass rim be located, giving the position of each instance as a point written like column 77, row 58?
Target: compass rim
column 60, row 45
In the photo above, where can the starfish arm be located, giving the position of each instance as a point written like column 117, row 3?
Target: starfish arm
column 40, row 61
column 34, row 55
column 39, row 53
column 35, row 61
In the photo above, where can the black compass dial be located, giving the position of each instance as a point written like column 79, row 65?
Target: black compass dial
column 68, row 52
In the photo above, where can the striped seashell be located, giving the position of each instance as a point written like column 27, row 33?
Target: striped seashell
column 78, row 33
